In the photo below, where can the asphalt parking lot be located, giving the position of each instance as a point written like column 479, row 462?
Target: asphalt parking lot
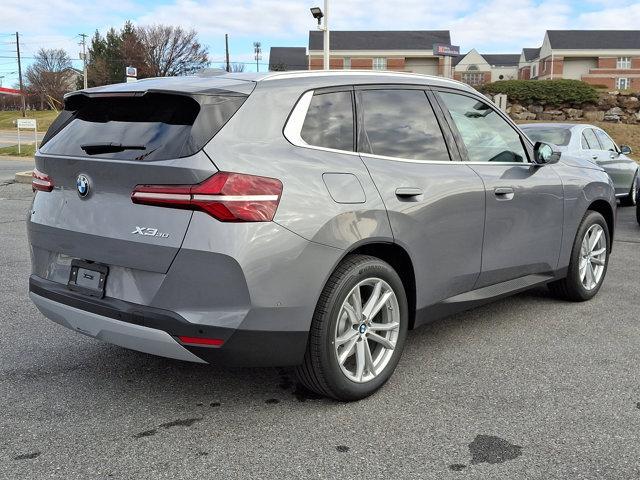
column 525, row 388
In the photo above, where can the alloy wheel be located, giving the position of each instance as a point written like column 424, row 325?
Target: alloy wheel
column 367, row 330
column 593, row 257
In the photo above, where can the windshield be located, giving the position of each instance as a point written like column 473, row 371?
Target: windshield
column 556, row 135
column 153, row 126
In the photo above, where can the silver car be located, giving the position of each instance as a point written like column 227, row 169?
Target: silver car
column 592, row 143
column 303, row 219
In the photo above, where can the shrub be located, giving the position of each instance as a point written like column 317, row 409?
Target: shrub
column 546, row 92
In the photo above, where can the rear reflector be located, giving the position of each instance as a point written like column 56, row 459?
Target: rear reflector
column 229, row 197
column 40, row 181
column 213, row 342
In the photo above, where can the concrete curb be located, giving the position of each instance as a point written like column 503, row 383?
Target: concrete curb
column 23, row 177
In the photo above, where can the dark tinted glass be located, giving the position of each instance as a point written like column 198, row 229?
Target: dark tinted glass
column 400, row 123
column 160, row 126
column 555, row 135
column 487, row 136
column 329, row 121
column 605, row 141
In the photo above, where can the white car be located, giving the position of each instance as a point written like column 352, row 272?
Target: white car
column 592, row 143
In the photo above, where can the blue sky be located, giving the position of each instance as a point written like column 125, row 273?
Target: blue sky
column 495, row 26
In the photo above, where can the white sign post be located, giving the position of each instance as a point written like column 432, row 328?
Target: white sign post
column 27, row 124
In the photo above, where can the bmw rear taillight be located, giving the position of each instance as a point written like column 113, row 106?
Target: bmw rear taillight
column 41, row 181
column 229, row 197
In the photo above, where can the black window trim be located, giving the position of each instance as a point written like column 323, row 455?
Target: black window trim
column 293, row 125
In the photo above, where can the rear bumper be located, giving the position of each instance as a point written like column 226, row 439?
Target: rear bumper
column 156, row 331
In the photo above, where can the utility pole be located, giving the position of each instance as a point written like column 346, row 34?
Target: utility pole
column 84, row 57
column 20, row 74
column 226, row 46
column 258, row 54
column 326, row 35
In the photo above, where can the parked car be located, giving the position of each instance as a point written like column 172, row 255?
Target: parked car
column 303, row 219
column 592, row 143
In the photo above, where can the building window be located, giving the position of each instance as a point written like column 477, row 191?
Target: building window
column 346, row 63
column 379, row 63
column 623, row 63
column 623, row 84
column 473, row 78
column 534, row 71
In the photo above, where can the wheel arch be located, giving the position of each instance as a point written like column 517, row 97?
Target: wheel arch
column 604, row 208
column 399, row 259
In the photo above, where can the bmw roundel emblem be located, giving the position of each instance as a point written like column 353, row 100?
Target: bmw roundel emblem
column 82, row 184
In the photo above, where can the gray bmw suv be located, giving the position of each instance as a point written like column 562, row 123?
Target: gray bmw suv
column 305, row 219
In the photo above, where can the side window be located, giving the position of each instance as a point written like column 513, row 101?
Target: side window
column 584, row 142
column 329, row 121
column 400, row 123
column 592, row 141
column 605, row 141
column 487, row 136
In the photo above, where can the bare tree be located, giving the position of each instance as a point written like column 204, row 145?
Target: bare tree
column 172, row 50
column 234, row 67
column 50, row 76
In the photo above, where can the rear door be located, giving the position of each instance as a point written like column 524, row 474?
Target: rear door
column 524, row 202
column 99, row 150
column 435, row 206
column 619, row 168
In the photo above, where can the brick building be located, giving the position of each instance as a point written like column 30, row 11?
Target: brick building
column 409, row 51
column 599, row 57
column 478, row 68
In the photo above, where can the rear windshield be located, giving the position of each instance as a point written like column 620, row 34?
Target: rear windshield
column 153, row 126
column 556, row 135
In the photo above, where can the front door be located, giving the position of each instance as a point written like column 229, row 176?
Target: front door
column 524, row 202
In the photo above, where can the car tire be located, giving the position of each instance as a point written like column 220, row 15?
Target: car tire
column 631, row 199
column 329, row 369
column 588, row 264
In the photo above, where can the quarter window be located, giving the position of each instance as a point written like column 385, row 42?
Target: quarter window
column 485, row 134
column 605, row 141
column 379, row 63
column 623, row 63
column 329, row 121
column 589, row 136
column 400, row 123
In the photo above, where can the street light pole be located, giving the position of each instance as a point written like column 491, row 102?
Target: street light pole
column 326, row 35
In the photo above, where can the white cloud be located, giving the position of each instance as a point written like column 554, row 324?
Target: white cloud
column 617, row 18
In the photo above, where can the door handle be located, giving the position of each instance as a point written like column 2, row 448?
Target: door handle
column 504, row 193
column 408, row 192
column 595, row 157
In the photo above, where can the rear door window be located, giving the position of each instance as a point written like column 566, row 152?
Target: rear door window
column 590, row 137
column 153, row 126
column 329, row 121
column 400, row 123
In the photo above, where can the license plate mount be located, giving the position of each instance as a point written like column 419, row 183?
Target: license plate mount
column 88, row 278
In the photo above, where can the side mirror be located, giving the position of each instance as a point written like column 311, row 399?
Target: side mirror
column 625, row 150
column 545, row 154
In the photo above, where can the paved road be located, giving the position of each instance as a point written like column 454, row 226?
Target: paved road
column 8, row 168
column 8, row 137
column 526, row 388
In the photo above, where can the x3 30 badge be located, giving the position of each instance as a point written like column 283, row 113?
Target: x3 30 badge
column 149, row 232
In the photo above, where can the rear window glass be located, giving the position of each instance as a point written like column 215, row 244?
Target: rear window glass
column 329, row 121
column 154, row 126
column 400, row 123
column 557, row 136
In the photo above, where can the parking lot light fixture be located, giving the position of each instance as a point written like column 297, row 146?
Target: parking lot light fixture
column 317, row 14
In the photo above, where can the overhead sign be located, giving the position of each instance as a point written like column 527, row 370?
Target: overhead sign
column 26, row 123
column 444, row 50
